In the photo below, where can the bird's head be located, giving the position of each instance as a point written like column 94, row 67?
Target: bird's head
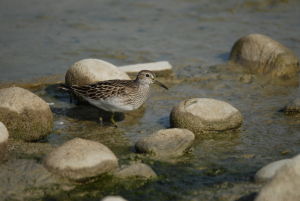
column 148, row 77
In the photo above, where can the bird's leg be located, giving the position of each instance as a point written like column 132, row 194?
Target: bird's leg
column 71, row 98
column 112, row 120
column 101, row 120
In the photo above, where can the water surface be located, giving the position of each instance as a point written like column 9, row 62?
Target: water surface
column 43, row 38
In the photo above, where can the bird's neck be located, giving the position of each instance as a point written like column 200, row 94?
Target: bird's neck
column 141, row 83
column 144, row 89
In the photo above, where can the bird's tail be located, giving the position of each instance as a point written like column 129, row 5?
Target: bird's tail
column 64, row 87
column 67, row 88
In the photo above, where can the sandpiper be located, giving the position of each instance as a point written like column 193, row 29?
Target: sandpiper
column 117, row 95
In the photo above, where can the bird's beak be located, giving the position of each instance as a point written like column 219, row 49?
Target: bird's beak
column 160, row 84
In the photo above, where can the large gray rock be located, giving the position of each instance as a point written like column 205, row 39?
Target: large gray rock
column 87, row 71
column 166, row 142
column 79, row 159
column 260, row 54
column 25, row 115
column 3, row 141
column 285, row 184
column 136, row 170
column 267, row 172
column 202, row 115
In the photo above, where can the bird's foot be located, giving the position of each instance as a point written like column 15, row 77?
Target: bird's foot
column 112, row 120
column 114, row 123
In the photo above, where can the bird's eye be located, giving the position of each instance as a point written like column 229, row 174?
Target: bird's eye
column 147, row 75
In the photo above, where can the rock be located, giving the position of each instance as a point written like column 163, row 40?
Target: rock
column 79, row 159
column 267, row 172
column 159, row 68
column 135, row 170
column 22, row 179
column 262, row 55
column 3, row 141
column 166, row 142
column 202, row 115
column 293, row 107
column 285, row 184
column 113, row 198
column 89, row 71
column 26, row 116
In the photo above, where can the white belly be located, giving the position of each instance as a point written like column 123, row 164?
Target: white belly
column 112, row 105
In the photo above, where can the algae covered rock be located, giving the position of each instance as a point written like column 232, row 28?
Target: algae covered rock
column 260, row 54
column 3, row 141
column 79, row 159
column 202, row 115
column 135, row 170
column 26, row 116
column 166, row 142
column 284, row 185
column 87, row 71
column 267, row 172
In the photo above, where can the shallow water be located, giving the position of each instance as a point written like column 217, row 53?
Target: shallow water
column 45, row 37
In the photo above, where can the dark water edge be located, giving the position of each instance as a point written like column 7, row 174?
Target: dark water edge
column 40, row 41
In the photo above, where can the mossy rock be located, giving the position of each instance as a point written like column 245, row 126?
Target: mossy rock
column 80, row 159
column 204, row 115
column 171, row 142
column 259, row 54
column 26, row 116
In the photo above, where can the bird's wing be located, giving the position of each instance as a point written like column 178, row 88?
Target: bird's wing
column 103, row 89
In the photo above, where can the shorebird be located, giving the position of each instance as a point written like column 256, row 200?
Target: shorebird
column 117, row 95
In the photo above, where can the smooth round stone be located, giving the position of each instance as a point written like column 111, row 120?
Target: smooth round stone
column 166, row 142
column 202, row 115
column 78, row 159
column 260, row 54
column 3, row 141
column 293, row 107
column 113, row 198
column 26, row 116
column 136, row 170
column 89, row 71
column 267, row 172
column 284, row 185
